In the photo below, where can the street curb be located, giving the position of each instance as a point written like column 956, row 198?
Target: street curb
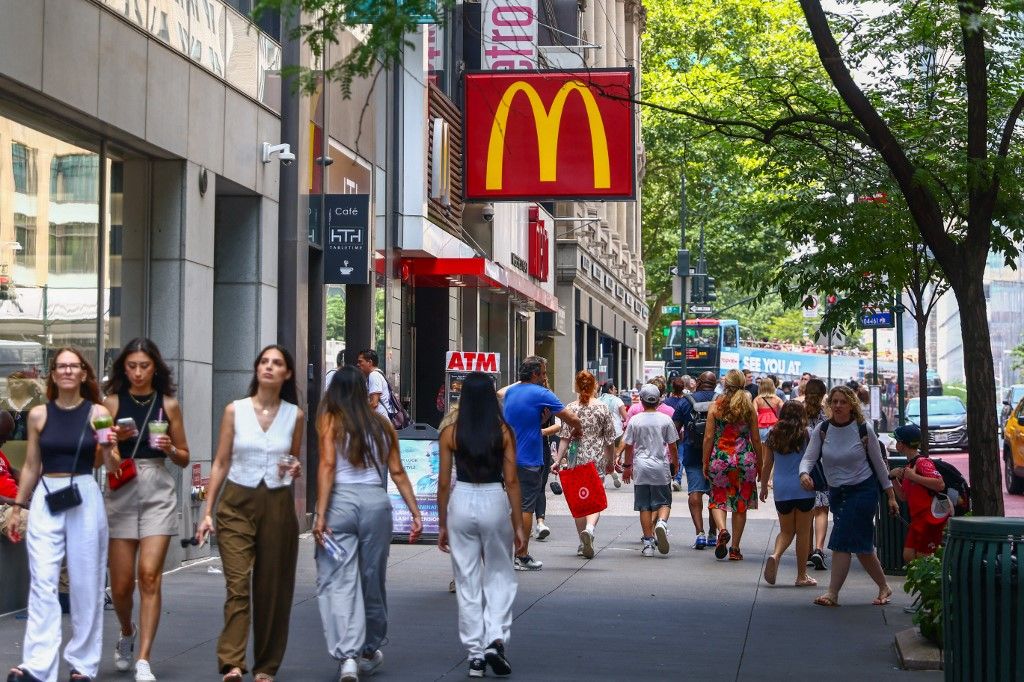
column 917, row 653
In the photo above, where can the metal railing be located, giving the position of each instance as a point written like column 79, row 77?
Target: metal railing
column 214, row 36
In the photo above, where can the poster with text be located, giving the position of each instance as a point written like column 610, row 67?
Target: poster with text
column 421, row 459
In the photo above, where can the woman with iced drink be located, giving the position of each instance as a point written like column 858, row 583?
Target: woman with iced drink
column 67, row 519
column 142, row 510
column 257, row 452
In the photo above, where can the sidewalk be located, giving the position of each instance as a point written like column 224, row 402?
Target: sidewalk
column 617, row 617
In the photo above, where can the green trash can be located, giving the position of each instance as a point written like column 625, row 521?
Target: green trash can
column 982, row 605
column 891, row 532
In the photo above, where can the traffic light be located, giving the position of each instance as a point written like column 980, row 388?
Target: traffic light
column 5, row 288
column 709, row 290
column 697, row 283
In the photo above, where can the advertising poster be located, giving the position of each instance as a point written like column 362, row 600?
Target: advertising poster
column 459, row 364
column 421, row 459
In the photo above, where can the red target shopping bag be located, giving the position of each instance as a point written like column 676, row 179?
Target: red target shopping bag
column 584, row 490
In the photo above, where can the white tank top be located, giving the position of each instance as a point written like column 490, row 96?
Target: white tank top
column 345, row 473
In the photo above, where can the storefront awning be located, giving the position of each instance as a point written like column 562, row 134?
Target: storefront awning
column 478, row 273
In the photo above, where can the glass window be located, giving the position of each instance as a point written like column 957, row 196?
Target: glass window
column 23, row 165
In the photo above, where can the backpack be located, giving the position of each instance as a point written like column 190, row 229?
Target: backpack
column 957, row 489
column 398, row 415
column 862, row 429
column 698, row 420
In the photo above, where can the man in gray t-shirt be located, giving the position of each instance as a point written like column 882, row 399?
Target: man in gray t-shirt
column 647, row 437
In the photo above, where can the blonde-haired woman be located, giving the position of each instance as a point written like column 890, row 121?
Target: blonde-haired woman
column 732, row 461
column 854, row 468
column 596, row 443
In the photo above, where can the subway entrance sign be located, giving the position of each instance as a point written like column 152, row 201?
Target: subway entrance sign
column 536, row 135
column 876, row 319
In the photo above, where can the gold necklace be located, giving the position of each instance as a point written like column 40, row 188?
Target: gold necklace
column 69, row 407
column 265, row 411
column 142, row 403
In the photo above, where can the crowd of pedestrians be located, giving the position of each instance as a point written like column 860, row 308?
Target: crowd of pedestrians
column 734, row 441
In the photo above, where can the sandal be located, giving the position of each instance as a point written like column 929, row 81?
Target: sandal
column 806, row 581
column 884, row 596
column 771, row 569
column 19, row 674
column 263, row 677
column 827, row 599
column 233, row 675
column 734, row 554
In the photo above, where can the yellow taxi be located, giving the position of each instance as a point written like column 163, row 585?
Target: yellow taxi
column 1013, row 451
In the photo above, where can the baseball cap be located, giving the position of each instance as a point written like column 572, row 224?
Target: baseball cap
column 909, row 434
column 650, row 394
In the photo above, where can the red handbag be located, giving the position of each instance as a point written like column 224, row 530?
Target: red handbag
column 584, row 490
column 125, row 472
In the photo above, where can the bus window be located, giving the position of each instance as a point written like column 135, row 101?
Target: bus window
column 729, row 337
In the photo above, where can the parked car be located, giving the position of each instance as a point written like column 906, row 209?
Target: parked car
column 1013, row 450
column 947, row 421
column 1013, row 395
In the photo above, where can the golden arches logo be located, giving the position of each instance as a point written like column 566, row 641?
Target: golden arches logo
column 547, row 123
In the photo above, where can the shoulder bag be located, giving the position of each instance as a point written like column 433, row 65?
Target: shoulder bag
column 70, row 496
column 127, row 471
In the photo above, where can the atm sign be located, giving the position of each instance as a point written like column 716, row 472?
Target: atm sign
column 469, row 361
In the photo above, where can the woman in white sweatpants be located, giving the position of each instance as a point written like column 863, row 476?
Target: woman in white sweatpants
column 476, row 523
column 353, row 524
column 61, row 454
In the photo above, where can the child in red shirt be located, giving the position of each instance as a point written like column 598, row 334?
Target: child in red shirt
column 918, row 483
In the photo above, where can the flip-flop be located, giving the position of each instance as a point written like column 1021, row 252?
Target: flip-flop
column 884, row 597
column 827, row 600
column 771, row 569
column 807, row 581
column 19, row 674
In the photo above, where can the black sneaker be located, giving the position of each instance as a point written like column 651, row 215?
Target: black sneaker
column 817, row 559
column 495, row 655
column 477, row 667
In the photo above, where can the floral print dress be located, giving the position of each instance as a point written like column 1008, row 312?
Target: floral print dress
column 733, row 468
column 598, row 432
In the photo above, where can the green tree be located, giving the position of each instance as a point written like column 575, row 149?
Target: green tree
column 924, row 97
column 334, row 326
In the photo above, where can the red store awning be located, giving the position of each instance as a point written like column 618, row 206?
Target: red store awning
column 479, row 273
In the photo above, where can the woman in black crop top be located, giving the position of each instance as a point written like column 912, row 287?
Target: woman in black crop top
column 142, row 513
column 476, row 524
column 62, row 451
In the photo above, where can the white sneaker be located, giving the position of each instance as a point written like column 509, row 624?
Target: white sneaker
column 142, row 672
column 648, row 549
column 367, row 666
column 587, row 540
column 349, row 671
column 616, row 480
column 699, row 542
column 123, row 651
column 542, row 531
column 661, row 533
column 677, row 486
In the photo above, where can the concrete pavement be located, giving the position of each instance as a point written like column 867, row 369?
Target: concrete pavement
column 617, row 617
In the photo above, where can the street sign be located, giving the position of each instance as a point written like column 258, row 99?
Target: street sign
column 811, row 307
column 665, row 331
column 669, row 310
column 698, row 309
column 876, row 319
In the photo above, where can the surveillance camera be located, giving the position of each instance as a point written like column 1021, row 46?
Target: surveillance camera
column 488, row 212
column 283, row 152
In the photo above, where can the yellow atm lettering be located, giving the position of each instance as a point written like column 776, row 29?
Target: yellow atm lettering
column 547, row 123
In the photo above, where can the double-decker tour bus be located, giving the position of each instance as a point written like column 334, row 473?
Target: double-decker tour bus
column 711, row 344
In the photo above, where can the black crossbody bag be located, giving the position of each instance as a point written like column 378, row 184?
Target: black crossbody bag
column 70, row 496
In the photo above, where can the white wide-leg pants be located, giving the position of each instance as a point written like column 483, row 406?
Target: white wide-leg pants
column 480, row 535
column 80, row 533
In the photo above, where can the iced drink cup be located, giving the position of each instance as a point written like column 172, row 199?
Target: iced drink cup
column 156, row 429
column 102, row 426
column 284, row 466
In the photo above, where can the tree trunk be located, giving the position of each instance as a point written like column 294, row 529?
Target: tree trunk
column 985, row 468
column 922, row 375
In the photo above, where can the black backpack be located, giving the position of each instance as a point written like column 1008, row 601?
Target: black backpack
column 697, row 420
column 954, row 480
column 398, row 415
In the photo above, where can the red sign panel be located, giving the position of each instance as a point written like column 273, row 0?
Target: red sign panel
column 468, row 361
column 537, row 263
column 550, row 135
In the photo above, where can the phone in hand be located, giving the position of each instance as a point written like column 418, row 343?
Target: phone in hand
column 127, row 423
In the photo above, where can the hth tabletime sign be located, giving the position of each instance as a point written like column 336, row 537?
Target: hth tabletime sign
column 550, row 135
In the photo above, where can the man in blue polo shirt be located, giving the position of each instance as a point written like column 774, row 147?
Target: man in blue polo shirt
column 525, row 406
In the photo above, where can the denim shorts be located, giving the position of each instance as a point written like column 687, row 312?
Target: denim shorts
column 695, row 481
column 651, row 497
column 853, row 517
column 531, row 486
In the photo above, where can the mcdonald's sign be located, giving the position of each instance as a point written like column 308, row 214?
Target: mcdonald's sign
column 536, row 135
